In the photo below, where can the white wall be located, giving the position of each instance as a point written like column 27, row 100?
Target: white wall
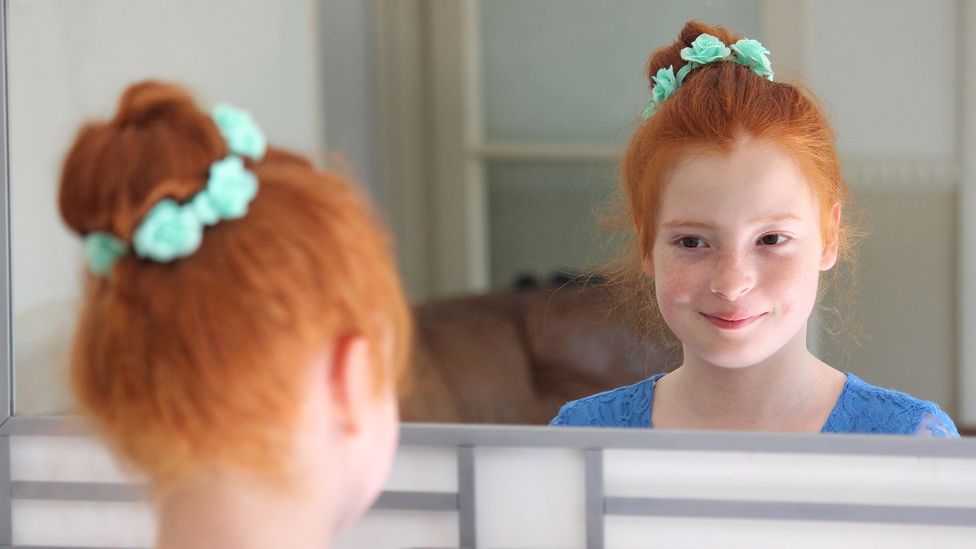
column 68, row 61
column 888, row 73
column 349, row 99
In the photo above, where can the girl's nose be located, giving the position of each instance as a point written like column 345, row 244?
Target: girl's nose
column 733, row 277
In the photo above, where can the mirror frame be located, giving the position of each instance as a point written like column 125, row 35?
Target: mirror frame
column 6, row 340
column 6, row 347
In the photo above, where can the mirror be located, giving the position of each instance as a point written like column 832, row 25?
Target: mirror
column 489, row 132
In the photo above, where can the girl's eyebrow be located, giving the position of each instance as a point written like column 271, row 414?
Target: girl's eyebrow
column 698, row 224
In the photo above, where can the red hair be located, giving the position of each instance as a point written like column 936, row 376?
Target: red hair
column 717, row 106
column 204, row 359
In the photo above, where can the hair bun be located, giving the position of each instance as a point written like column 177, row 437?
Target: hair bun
column 150, row 99
column 158, row 145
column 670, row 56
column 694, row 29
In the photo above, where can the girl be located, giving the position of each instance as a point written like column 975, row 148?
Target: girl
column 242, row 325
column 736, row 197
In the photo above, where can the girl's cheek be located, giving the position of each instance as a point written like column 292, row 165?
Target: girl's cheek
column 794, row 270
column 675, row 282
column 797, row 279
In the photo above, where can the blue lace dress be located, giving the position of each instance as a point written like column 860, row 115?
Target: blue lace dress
column 861, row 408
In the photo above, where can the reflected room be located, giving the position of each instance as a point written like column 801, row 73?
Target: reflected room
column 491, row 145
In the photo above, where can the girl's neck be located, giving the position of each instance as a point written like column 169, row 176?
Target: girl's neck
column 790, row 391
column 240, row 512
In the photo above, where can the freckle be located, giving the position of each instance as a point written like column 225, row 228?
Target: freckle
column 678, row 283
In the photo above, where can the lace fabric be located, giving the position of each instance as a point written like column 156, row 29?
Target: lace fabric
column 628, row 406
column 937, row 424
column 864, row 408
column 861, row 408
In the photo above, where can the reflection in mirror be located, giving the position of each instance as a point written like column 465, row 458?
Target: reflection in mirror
column 548, row 98
column 493, row 147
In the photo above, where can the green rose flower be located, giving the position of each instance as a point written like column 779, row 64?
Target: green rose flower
column 240, row 131
column 705, row 49
column 752, row 54
column 665, row 84
column 170, row 231
column 204, row 209
column 103, row 250
column 230, row 188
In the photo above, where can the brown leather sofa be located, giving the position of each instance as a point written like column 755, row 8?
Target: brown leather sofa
column 517, row 356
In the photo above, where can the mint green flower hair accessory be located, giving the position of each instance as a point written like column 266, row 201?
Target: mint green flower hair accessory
column 239, row 130
column 168, row 232
column 230, row 189
column 102, row 251
column 665, row 84
column 172, row 230
column 752, row 54
column 707, row 49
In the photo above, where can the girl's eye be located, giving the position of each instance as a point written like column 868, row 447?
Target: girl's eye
column 691, row 242
column 772, row 239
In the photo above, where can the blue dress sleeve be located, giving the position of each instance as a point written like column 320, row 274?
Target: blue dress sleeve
column 622, row 407
column 571, row 413
column 938, row 424
column 866, row 408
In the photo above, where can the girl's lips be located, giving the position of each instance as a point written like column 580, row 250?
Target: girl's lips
column 733, row 324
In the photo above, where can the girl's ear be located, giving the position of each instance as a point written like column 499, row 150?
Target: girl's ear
column 351, row 383
column 829, row 256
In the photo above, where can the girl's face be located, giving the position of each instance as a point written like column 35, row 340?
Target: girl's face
column 737, row 254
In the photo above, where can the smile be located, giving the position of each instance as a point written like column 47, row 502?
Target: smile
column 732, row 321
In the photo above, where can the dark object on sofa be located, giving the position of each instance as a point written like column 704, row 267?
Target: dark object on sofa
column 517, row 356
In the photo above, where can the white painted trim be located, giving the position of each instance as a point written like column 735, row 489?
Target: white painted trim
column 872, row 174
column 460, row 242
column 966, row 288
column 7, row 396
column 403, row 186
column 477, row 204
column 547, row 151
column 899, row 175
column 430, row 116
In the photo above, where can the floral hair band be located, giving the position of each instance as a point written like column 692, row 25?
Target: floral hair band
column 704, row 50
column 172, row 230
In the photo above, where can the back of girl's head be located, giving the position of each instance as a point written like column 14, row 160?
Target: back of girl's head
column 204, row 359
column 719, row 105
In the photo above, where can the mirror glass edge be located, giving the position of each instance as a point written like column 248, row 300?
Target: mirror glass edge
column 6, row 348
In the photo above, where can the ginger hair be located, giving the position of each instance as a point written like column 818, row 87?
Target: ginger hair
column 203, row 360
column 717, row 106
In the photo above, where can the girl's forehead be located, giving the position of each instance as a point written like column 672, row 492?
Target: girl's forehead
column 755, row 177
column 748, row 161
